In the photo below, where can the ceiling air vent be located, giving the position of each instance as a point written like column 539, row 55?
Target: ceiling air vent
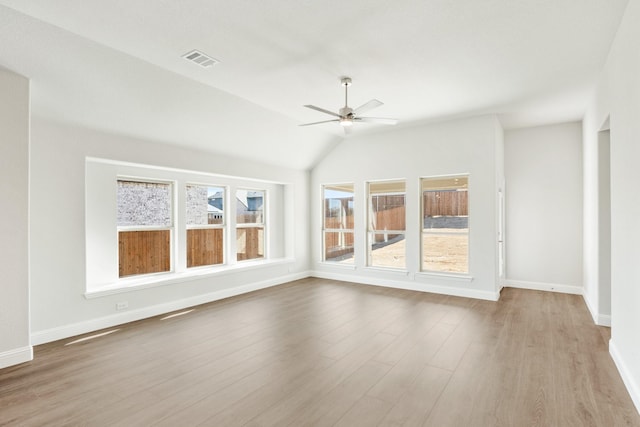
column 203, row 60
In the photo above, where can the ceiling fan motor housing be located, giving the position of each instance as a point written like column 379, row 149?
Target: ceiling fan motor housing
column 346, row 112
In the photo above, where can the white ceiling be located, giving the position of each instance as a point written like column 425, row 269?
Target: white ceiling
column 116, row 65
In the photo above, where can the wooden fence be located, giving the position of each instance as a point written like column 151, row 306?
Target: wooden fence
column 390, row 219
column 144, row 252
column 250, row 240
column 386, row 202
column 337, row 243
column 249, row 243
column 446, row 203
column 204, row 247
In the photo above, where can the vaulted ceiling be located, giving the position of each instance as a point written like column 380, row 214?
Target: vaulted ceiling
column 117, row 65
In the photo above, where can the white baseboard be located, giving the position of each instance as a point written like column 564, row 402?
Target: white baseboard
column 592, row 310
column 632, row 386
column 598, row 319
column 411, row 286
column 91, row 325
column 542, row 286
column 603, row 320
column 16, row 356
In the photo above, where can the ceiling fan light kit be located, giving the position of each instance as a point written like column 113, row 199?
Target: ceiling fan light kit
column 347, row 116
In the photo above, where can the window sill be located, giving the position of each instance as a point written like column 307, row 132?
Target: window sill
column 446, row 276
column 161, row 279
column 338, row 265
column 391, row 270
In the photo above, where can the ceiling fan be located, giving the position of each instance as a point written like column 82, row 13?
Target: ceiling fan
column 347, row 116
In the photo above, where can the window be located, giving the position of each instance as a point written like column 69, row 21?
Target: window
column 144, row 227
column 149, row 225
column 386, row 232
column 250, row 224
column 445, row 224
column 205, row 225
column 338, row 223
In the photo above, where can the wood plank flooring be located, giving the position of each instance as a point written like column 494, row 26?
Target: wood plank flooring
column 326, row 353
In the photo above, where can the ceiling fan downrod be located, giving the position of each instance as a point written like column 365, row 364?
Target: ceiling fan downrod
column 346, row 82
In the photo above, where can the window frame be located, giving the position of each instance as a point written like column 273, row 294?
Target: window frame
column 326, row 230
column 259, row 225
column 223, row 226
column 132, row 228
column 423, row 231
column 371, row 232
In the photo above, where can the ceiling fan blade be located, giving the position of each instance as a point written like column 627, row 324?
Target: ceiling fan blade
column 378, row 120
column 367, row 106
column 322, row 110
column 317, row 123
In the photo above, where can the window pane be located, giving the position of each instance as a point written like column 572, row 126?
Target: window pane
column 445, row 237
column 144, row 204
column 250, row 208
column 204, row 246
column 250, row 243
column 205, row 205
column 338, row 206
column 387, row 223
column 445, row 252
column 387, row 205
column 338, row 246
column 387, row 250
column 144, row 252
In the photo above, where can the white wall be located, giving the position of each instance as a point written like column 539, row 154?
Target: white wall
column 15, row 344
column 618, row 97
column 590, row 231
column 500, row 202
column 470, row 146
column 543, row 167
column 58, row 273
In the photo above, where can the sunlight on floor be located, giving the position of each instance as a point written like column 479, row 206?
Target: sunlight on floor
column 92, row 337
column 182, row 313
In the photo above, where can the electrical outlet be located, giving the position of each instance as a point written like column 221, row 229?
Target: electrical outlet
column 122, row 305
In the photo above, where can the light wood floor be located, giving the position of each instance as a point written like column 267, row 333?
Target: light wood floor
column 319, row 352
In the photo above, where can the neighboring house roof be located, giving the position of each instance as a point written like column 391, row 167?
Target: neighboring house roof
column 242, row 204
